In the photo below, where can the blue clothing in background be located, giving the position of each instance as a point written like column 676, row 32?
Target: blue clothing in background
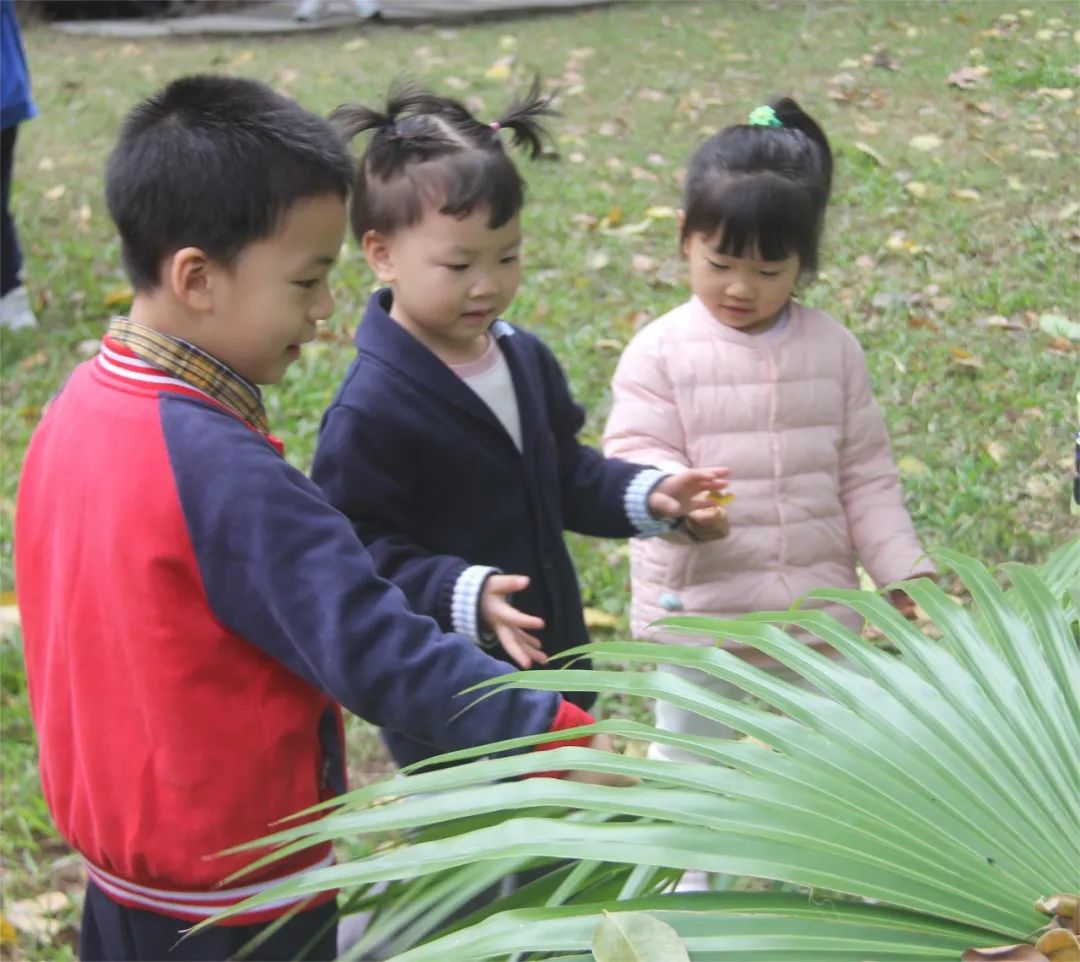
column 17, row 104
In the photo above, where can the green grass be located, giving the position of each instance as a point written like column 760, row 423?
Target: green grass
column 986, row 449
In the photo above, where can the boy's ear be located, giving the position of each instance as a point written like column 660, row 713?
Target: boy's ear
column 189, row 275
column 378, row 254
column 680, row 220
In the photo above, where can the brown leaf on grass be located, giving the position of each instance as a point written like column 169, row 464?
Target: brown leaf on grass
column 612, row 218
column 34, row 360
column 883, row 59
column 964, row 358
column 1001, row 322
column 608, row 344
column 967, row 77
column 1057, row 93
column 119, row 296
column 38, row 916
column 917, row 321
column 928, row 143
column 865, row 148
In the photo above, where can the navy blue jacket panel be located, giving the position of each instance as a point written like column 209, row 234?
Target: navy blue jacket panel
column 433, row 483
column 283, row 569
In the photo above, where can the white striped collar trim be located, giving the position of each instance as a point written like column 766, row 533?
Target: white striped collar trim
column 502, row 329
column 135, row 369
column 201, row 904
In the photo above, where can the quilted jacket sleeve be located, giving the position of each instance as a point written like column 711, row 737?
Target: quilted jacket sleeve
column 644, row 424
column 880, row 526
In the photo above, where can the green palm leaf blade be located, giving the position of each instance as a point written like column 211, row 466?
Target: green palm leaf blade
column 940, row 780
column 765, row 926
column 937, row 738
column 1051, row 627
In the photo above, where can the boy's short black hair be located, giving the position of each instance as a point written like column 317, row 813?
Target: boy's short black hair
column 215, row 162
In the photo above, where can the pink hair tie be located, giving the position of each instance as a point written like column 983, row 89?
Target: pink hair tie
column 495, row 125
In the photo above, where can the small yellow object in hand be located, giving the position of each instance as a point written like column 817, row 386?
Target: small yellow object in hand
column 721, row 499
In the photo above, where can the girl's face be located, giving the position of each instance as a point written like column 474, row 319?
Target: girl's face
column 745, row 293
column 452, row 277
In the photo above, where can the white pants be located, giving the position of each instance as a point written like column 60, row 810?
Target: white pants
column 672, row 718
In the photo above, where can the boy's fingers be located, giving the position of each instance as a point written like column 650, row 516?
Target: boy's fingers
column 603, row 778
column 510, row 644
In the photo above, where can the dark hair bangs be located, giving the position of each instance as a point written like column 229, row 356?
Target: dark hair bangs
column 459, row 182
column 481, row 179
column 767, row 217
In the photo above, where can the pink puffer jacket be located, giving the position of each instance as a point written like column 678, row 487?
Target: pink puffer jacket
column 791, row 413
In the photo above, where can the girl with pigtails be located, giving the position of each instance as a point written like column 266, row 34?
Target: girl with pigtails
column 744, row 375
column 452, row 443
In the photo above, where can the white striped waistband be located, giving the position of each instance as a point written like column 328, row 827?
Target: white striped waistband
column 199, row 904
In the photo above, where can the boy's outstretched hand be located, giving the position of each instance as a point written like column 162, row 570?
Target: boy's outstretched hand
column 687, row 495
column 509, row 623
column 603, row 743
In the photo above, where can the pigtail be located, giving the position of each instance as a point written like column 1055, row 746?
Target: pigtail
column 402, row 134
column 793, row 117
column 352, row 119
column 523, row 118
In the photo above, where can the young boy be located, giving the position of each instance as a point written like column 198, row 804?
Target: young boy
column 193, row 609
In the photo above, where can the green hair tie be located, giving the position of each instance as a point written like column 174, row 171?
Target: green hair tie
column 764, row 117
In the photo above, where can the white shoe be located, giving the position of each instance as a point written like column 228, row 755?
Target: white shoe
column 309, row 10
column 15, row 311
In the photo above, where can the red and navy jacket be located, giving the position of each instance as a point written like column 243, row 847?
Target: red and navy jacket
column 194, row 611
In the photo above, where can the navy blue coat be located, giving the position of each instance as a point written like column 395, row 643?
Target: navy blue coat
column 433, row 483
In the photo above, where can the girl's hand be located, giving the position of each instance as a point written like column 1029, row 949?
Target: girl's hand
column 902, row 601
column 708, row 524
column 679, row 494
column 509, row 623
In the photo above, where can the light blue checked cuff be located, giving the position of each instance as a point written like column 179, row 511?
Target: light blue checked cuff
column 465, row 603
column 636, row 502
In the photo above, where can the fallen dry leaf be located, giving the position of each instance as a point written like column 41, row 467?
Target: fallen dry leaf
column 926, row 142
column 967, row 77
column 964, row 358
column 911, row 467
column 865, row 148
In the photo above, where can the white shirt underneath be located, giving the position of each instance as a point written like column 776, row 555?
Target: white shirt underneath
column 489, row 377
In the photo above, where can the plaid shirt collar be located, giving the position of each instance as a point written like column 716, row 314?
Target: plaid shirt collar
column 189, row 363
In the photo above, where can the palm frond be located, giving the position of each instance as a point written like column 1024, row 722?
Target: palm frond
column 938, row 778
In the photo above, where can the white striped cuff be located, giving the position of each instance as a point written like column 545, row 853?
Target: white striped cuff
column 465, row 604
column 636, row 503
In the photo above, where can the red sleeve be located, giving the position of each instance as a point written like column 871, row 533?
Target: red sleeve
column 568, row 716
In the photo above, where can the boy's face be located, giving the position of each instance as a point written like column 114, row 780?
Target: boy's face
column 451, row 276
column 266, row 303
